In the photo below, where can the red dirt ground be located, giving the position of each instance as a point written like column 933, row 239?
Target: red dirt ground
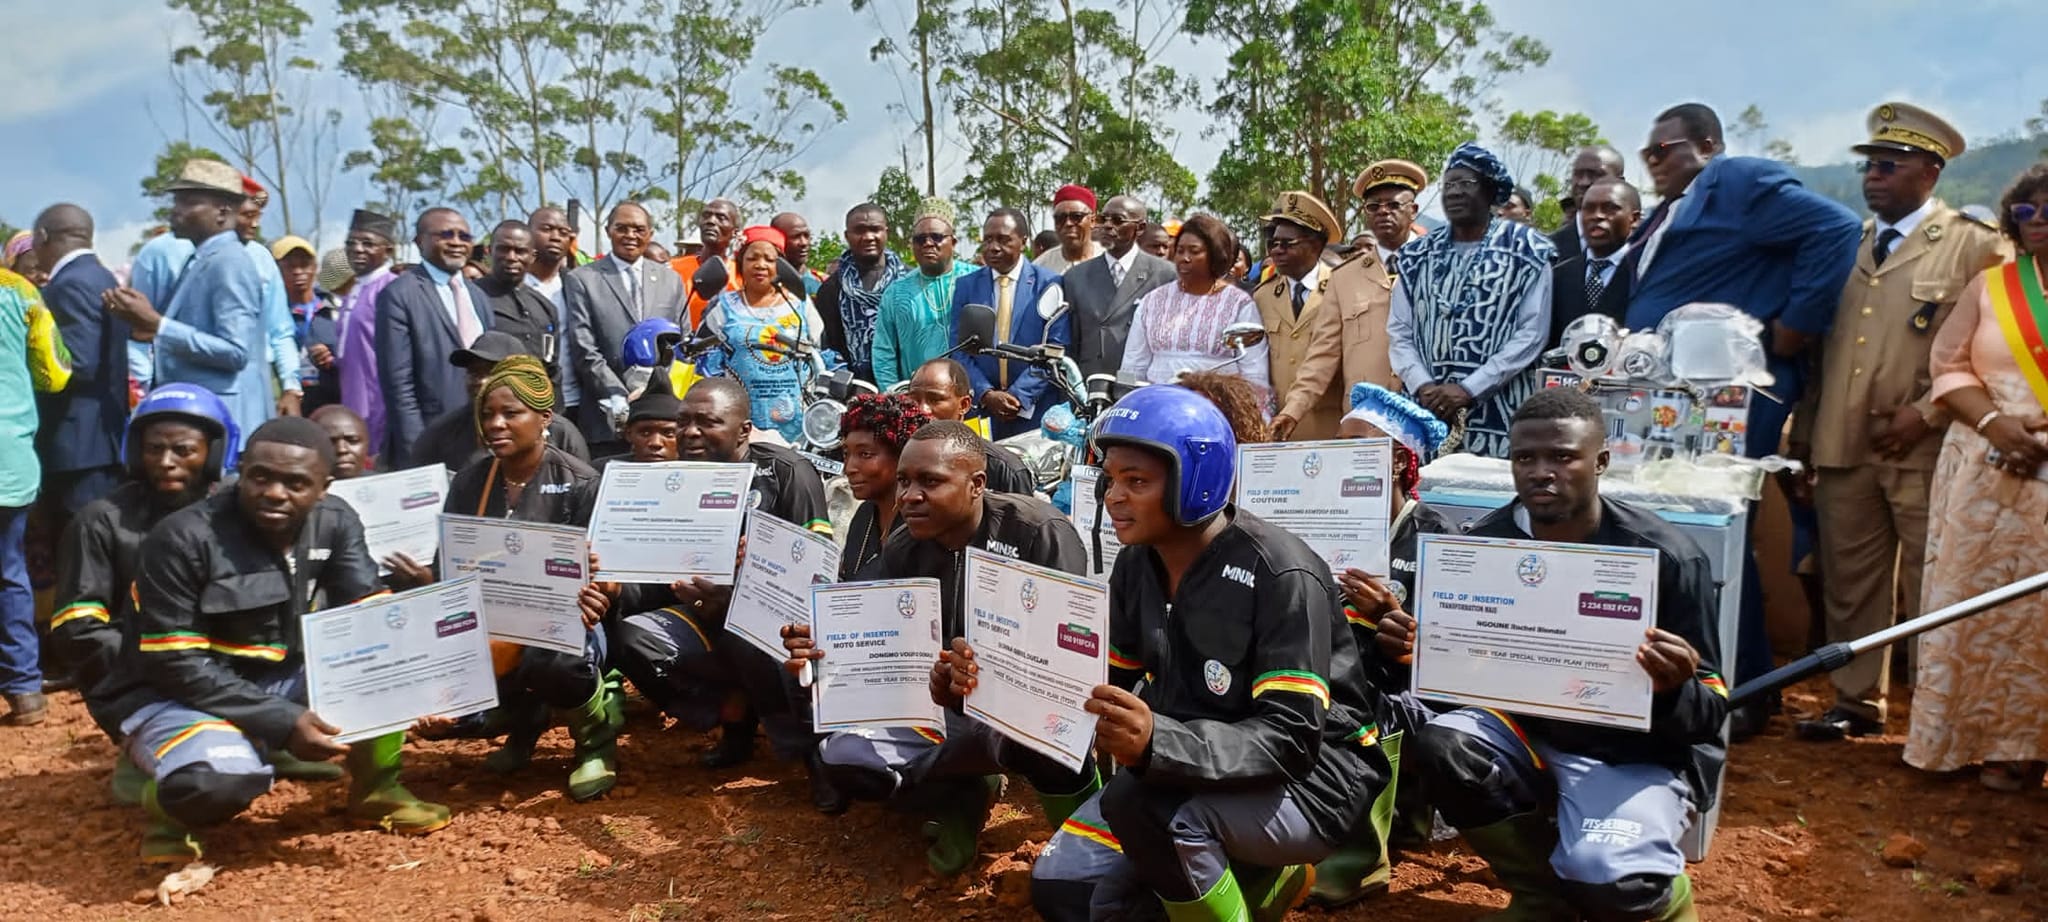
column 1801, row 838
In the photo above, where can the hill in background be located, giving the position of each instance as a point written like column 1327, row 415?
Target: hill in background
column 1978, row 177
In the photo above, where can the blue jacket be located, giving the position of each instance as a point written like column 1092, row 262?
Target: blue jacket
column 1028, row 385
column 213, row 335
column 82, row 426
column 414, row 339
column 1750, row 235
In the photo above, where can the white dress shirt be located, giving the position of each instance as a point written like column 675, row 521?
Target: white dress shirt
column 1906, row 226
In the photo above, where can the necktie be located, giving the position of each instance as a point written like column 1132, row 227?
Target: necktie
column 1003, row 304
column 1596, row 273
column 1116, row 273
column 467, row 329
column 1300, row 298
column 1882, row 249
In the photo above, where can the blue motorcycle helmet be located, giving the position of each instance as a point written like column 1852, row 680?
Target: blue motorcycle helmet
column 187, row 403
column 1193, row 435
column 642, row 348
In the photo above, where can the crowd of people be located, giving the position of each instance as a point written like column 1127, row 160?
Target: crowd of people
column 167, row 487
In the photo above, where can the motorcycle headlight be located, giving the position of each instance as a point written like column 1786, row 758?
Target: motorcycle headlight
column 821, row 424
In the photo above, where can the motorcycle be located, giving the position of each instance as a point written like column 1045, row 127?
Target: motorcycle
column 824, row 394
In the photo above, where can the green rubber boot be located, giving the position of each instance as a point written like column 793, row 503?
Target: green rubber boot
column 1223, row 903
column 596, row 739
column 376, row 799
column 1361, row 867
column 1679, row 907
column 285, row 765
column 127, row 781
column 1058, row 807
column 1518, row 849
column 956, row 831
column 1270, row 894
column 165, row 841
column 522, row 728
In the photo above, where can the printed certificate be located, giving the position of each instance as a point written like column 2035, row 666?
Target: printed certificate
column 774, row 585
column 880, row 640
column 658, row 523
column 1041, row 637
column 1535, row 628
column 376, row 666
column 1333, row 495
column 401, row 511
column 531, row 576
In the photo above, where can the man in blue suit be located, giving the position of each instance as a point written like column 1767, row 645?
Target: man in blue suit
column 1025, row 296
column 82, row 425
column 422, row 317
column 208, row 330
column 1740, row 231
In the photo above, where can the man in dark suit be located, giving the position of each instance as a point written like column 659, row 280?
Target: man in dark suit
column 422, row 316
column 1025, row 296
column 1741, row 231
column 80, row 438
column 516, row 307
column 1589, row 165
column 606, row 299
column 1591, row 282
column 1104, row 292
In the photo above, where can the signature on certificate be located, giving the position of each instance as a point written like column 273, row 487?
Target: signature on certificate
column 1582, row 690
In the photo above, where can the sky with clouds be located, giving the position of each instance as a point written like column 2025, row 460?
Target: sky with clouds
column 88, row 104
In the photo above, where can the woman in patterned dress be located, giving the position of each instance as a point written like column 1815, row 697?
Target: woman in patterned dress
column 1982, row 691
column 764, row 314
column 1180, row 327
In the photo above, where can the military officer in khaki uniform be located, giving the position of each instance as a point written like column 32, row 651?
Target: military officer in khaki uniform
column 1868, row 428
column 1291, row 300
column 1348, row 343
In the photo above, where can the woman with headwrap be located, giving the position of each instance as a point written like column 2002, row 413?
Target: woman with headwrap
column 874, row 431
column 19, row 257
column 760, row 323
column 1360, row 866
column 526, row 479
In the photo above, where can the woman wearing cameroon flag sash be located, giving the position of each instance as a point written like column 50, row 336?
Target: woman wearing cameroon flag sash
column 1982, row 695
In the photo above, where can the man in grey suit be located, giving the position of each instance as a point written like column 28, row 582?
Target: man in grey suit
column 1104, row 292
column 422, row 316
column 606, row 299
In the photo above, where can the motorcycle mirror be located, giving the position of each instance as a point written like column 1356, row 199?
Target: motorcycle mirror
column 710, row 279
column 787, row 276
column 978, row 323
column 1058, row 311
column 1243, row 335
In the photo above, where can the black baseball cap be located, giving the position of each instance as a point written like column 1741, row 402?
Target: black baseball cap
column 492, row 347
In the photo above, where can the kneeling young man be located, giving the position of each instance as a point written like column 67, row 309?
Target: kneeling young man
column 218, row 679
column 1583, row 822
column 943, row 501
column 1251, row 753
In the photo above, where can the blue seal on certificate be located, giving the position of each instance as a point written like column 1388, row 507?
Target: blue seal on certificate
column 1027, row 594
column 1531, row 570
column 394, row 617
column 515, row 543
column 1312, row 465
column 796, row 551
column 906, row 605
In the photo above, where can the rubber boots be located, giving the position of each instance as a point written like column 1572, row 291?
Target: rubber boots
column 285, row 765
column 165, row 841
column 1518, row 849
column 1223, row 903
column 597, row 752
column 522, row 726
column 1270, row 894
column 127, row 781
column 956, row 831
column 1058, row 807
column 1679, row 907
column 376, row 799
column 1361, row 867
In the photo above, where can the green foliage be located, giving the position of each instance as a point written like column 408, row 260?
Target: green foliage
column 1754, row 133
column 247, row 72
column 1537, row 148
column 918, row 44
column 1051, row 95
column 898, row 197
column 1316, row 90
column 825, row 249
column 1978, row 177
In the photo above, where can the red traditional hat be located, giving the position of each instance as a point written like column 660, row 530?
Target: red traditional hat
column 1074, row 193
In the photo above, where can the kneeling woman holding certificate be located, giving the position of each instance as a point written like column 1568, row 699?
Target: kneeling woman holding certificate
column 874, row 431
column 525, row 479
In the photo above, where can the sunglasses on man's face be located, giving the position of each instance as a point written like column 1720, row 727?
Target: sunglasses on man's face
column 1116, row 219
column 929, row 240
column 1069, row 217
column 453, row 233
column 2026, row 212
column 1880, row 167
column 1655, row 153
